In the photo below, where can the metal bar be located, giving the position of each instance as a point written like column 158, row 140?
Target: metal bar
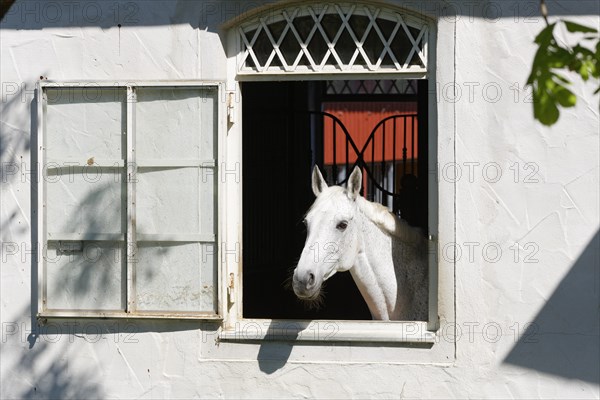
column 347, row 165
column 359, row 160
column 412, row 146
column 334, row 168
column 373, row 168
column 383, row 158
column 404, row 150
column 378, row 125
column 368, row 171
column 394, row 166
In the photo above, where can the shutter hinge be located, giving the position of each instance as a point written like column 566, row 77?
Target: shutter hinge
column 231, row 288
column 231, row 117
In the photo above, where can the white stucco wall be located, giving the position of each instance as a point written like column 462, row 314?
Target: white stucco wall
column 546, row 199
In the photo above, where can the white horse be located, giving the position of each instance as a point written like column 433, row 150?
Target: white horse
column 386, row 257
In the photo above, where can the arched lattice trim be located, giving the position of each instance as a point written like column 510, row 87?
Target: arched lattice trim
column 330, row 38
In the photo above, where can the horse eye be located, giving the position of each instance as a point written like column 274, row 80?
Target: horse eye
column 304, row 221
column 341, row 225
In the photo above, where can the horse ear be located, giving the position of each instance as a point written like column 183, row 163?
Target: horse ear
column 354, row 183
column 318, row 183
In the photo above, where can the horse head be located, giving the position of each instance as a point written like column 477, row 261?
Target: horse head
column 332, row 240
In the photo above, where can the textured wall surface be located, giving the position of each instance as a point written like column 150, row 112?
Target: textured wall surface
column 526, row 277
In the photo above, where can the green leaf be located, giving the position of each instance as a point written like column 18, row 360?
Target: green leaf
column 565, row 97
column 584, row 51
column 595, row 69
column 562, row 79
column 547, row 112
column 584, row 73
column 550, row 90
column 545, row 36
column 573, row 27
column 549, row 85
column 559, row 59
column 544, row 107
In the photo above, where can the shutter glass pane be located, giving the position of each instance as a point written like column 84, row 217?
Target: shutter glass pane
column 168, row 200
column 175, row 277
column 85, row 122
column 87, row 201
column 175, row 123
column 90, row 277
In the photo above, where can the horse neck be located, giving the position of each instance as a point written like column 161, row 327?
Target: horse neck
column 373, row 238
column 373, row 271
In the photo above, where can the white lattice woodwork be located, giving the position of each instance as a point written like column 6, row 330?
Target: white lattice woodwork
column 331, row 38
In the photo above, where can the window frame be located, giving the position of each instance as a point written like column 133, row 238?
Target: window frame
column 236, row 328
column 128, row 167
column 442, row 209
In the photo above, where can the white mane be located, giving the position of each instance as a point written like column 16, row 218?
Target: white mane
column 388, row 222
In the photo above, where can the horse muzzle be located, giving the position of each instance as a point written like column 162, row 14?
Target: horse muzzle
column 305, row 285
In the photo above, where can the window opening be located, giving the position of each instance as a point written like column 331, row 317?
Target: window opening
column 288, row 128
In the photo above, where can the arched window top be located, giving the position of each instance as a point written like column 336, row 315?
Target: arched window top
column 331, row 38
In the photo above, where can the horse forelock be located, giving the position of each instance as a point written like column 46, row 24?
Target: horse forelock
column 333, row 194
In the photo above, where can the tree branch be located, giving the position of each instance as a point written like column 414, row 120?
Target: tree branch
column 544, row 11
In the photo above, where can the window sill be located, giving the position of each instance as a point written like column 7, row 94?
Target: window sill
column 329, row 331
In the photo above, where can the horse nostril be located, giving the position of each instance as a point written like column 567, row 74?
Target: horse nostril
column 311, row 279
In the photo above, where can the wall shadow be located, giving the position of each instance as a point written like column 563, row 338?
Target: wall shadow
column 273, row 356
column 40, row 339
column 205, row 14
column 564, row 338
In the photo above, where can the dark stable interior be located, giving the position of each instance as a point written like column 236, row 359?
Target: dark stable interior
column 279, row 153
